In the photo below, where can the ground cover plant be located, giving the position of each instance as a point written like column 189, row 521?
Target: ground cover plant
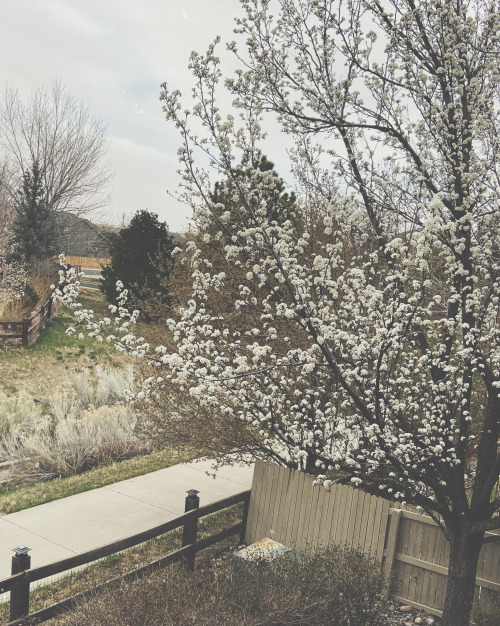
column 334, row 587
column 88, row 423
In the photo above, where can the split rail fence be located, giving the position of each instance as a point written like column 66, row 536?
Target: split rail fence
column 285, row 506
column 28, row 329
column 19, row 583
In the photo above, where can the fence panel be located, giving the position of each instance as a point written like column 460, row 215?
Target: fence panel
column 87, row 262
column 284, row 501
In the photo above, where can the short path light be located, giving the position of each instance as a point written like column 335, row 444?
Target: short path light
column 21, row 551
column 20, row 595
column 192, row 500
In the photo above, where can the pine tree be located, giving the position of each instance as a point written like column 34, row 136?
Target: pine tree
column 141, row 260
column 33, row 227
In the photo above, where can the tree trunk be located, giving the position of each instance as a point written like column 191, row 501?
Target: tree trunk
column 462, row 567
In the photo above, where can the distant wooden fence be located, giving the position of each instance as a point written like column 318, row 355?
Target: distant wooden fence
column 28, row 329
column 87, row 262
column 19, row 583
column 284, row 505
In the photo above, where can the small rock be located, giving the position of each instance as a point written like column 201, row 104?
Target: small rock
column 419, row 620
column 405, row 608
column 429, row 621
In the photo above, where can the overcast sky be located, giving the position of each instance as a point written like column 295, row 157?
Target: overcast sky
column 113, row 55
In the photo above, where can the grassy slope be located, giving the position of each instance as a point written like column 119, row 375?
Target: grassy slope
column 42, row 368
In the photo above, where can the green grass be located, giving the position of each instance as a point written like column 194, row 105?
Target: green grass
column 17, row 498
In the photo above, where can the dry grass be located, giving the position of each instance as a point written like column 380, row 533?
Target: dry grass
column 337, row 588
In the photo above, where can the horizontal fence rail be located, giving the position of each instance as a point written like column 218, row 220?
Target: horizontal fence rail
column 19, row 583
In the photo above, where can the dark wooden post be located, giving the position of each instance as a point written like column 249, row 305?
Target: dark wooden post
column 26, row 330
column 190, row 528
column 49, row 307
column 20, row 594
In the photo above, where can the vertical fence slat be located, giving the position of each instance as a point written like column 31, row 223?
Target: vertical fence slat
column 369, row 522
column 339, row 514
column 312, row 518
column 268, row 504
column 282, row 519
column 305, row 514
column 344, row 529
column 253, row 512
column 263, row 524
column 295, row 523
column 324, row 531
column 280, row 492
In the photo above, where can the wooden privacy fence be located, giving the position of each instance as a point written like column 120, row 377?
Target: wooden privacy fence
column 284, row 505
column 19, row 583
column 88, row 262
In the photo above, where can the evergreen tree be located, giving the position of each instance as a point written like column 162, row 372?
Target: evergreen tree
column 141, row 260
column 230, row 196
column 33, row 227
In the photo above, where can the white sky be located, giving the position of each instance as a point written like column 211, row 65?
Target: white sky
column 113, row 55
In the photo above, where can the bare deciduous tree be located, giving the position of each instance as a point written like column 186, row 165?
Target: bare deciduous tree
column 55, row 130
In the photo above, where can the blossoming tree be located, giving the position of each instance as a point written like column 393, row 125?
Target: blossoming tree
column 374, row 347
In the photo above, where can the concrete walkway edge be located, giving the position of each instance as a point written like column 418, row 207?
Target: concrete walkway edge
column 89, row 520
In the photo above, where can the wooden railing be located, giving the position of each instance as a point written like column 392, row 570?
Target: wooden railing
column 19, row 583
column 28, row 329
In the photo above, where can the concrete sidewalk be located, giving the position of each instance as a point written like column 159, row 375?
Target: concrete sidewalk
column 75, row 524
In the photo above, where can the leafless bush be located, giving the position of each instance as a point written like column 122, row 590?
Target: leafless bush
column 18, row 412
column 489, row 616
column 109, row 387
column 336, row 588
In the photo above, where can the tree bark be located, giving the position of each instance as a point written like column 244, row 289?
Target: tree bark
column 464, row 554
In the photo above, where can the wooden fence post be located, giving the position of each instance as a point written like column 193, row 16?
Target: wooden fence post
column 190, row 528
column 392, row 541
column 20, row 594
column 49, row 307
column 26, row 330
